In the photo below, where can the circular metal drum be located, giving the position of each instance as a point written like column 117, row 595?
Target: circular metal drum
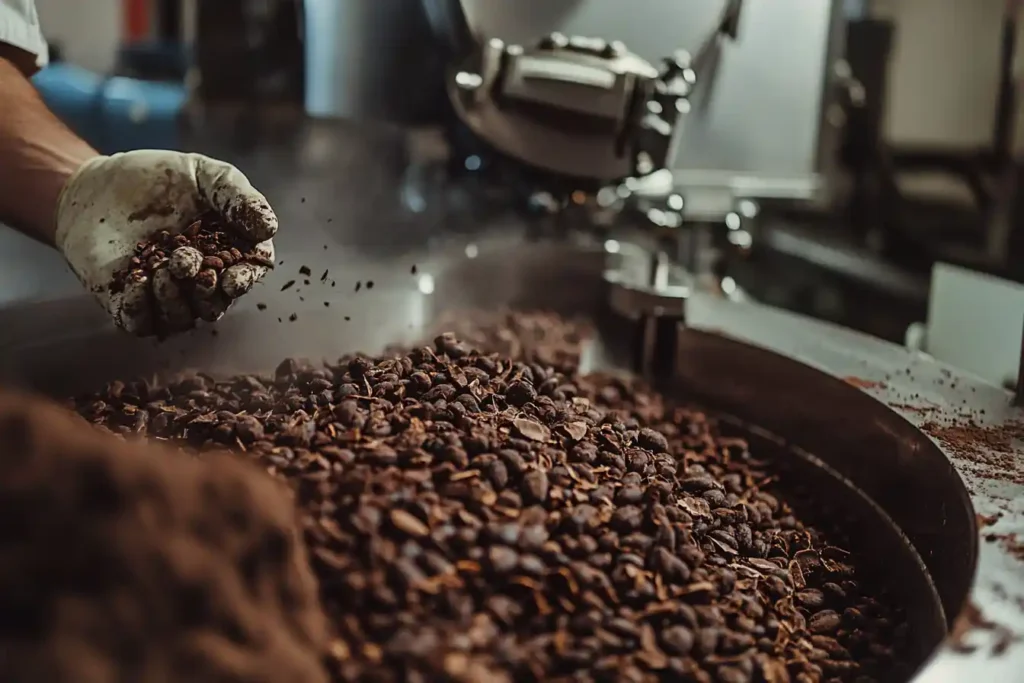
column 844, row 410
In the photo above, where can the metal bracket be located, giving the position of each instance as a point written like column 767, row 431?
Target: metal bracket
column 649, row 291
column 649, row 286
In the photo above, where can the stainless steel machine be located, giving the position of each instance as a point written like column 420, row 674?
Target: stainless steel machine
column 784, row 62
column 637, row 115
column 781, row 59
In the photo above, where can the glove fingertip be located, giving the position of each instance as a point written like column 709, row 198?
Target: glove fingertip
column 255, row 216
column 226, row 189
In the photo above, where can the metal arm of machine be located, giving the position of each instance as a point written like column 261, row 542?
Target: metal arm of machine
column 581, row 111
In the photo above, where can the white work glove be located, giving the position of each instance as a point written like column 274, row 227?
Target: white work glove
column 112, row 203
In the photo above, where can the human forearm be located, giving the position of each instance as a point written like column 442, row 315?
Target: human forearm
column 37, row 155
column 97, row 209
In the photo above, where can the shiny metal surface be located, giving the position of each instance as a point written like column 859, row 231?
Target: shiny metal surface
column 779, row 68
column 778, row 371
column 372, row 60
column 583, row 106
column 638, row 285
column 992, row 348
column 564, row 106
column 381, row 60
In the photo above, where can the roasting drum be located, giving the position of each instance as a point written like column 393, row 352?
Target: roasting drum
column 911, row 515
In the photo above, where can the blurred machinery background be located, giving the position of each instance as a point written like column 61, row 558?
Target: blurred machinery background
column 831, row 153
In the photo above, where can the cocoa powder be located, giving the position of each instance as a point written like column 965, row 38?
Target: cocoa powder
column 988, row 450
column 970, row 620
column 123, row 561
column 861, row 383
column 1010, row 542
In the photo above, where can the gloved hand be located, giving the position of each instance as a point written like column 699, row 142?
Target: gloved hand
column 114, row 202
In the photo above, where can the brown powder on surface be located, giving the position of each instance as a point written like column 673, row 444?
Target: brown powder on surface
column 970, row 440
column 863, row 383
column 1014, row 546
column 971, row 619
column 1009, row 542
column 987, row 520
column 918, row 409
column 988, row 450
column 125, row 562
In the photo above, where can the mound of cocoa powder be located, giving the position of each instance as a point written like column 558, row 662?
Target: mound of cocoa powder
column 473, row 516
column 123, row 561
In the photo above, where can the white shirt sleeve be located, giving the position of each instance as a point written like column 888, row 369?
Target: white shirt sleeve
column 19, row 27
